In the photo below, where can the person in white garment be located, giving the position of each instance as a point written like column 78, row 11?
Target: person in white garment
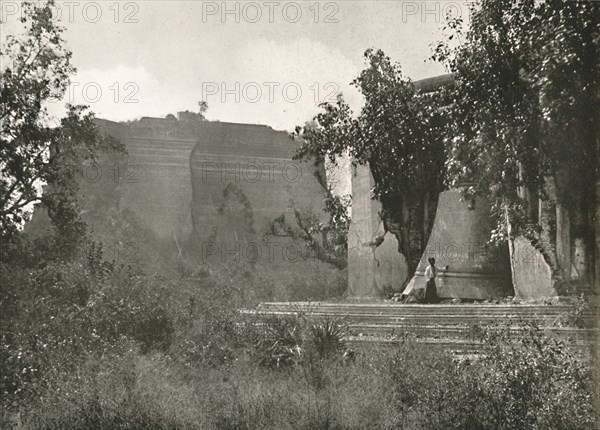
column 430, row 288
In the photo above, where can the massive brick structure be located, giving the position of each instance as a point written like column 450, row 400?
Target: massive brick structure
column 155, row 179
column 243, row 178
column 375, row 264
column 214, row 185
column 458, row 240
column 466, row 267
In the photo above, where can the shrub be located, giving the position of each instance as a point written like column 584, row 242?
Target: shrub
column 85, row 344
column 299, row 339
column 327, row 337
column 535, row 381
column 65, row 310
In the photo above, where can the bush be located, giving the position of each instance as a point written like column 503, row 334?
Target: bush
column 64, row 311
column 298, row 339
column 520, row 380
column 86, row 344
column 535, row 381
column 523, row 381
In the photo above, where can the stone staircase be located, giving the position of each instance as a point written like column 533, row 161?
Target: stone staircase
column 454, row 327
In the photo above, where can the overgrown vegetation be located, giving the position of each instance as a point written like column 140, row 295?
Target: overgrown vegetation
column 517, row 126
column 399, row 133
column 522, row 125
column 35, row 149
column 90, row 341
column 86, row 344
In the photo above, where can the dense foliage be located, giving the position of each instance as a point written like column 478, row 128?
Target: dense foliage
column 34, row 149
column 399, row 134
column 517, row 126
column 525, row 107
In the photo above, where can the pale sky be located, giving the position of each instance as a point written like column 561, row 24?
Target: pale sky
column 151, row 58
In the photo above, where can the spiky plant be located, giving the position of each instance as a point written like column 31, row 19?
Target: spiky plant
column 328, row 337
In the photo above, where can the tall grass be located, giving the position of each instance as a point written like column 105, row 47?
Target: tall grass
column 524, row 382
column 85, row 345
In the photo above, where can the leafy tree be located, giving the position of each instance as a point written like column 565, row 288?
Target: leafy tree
column 36, row 153
column 524, row 114
column 399, row 133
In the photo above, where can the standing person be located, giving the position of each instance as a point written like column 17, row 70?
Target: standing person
column 430, row 288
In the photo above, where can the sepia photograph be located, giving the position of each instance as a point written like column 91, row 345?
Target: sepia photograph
column 303, row 215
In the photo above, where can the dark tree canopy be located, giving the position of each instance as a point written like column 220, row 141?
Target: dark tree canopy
column 524, row 120
column 399, row 133
column 526, row 99
column 518, row 126
column 34, row 151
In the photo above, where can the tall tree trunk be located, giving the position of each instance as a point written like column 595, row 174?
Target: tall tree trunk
column 531, row 195
column 511, row 248
column 405, row 235
column 596, row 281
column 563, row 239
column 581, row 232
column 426, row 198
column 527, row 192
column 563, row 223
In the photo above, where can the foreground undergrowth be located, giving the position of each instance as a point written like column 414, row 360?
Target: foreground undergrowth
column 89, row 345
